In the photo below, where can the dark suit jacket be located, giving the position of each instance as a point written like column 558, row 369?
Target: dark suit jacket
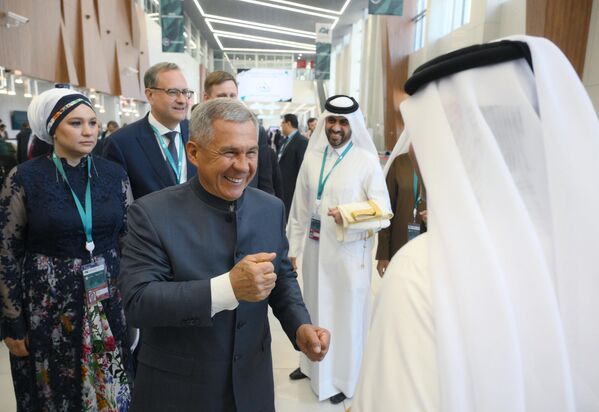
column 40, row 148
column 400, row 183
column 289, row 163
column 268, row 175
column 22, row 143
column 179, row 238
column 135, row 148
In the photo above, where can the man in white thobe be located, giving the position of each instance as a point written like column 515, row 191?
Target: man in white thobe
column 494, row 309
column 340, row 166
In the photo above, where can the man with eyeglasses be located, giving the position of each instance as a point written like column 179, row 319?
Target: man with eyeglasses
column 152, row 149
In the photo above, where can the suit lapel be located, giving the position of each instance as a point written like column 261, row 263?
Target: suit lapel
column 191, row 169
column 289, row 147
column 149, row 145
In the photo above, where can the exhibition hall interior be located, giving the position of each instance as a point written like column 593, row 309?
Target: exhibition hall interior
column 146, row 90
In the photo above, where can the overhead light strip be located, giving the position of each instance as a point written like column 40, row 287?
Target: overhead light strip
column 249, row 25
column 247, row 22
column 276, row 6
column 344, row 7
column 249, row 50
column 272, row 28
column 305, row 6
column 253, row 23
column 267, row 41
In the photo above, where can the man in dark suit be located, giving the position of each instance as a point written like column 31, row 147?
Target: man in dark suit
column 24, row 140
column 223, row 84
column 152, row 150
column 38, row 148
column 104, row 137
column 291, row 155
column 201, row 264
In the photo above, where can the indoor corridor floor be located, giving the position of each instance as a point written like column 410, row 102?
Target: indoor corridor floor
column 290, row 396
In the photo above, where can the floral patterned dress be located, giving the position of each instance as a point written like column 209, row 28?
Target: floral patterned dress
column 79, row 357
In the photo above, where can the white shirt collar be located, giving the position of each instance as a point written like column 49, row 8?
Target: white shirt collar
column 160, row 127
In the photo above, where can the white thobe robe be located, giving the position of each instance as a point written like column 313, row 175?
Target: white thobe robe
column 399, row 369
column 336, row 275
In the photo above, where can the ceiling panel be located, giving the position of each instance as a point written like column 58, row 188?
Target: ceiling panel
column 222, row 20
column 239, row 43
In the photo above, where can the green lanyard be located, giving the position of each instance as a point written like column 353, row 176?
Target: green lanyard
column 169, row 157
column 417, row 198
column 322, row 182
column 85, row 215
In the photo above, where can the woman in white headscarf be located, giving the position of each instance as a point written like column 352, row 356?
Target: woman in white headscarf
column 61, row 217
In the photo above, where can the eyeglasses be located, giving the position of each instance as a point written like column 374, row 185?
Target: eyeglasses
column 175, row 93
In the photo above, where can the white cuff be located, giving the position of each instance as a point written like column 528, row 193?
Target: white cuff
column 223, row 297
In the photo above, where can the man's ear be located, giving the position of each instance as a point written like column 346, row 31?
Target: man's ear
column 191, row 148
column 148, row 93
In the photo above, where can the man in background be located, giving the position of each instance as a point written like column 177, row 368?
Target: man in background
column 152, row 149
column 268, row 177
column 312, row 121
column 24, row 142
column 341, row 166
column 291, row 155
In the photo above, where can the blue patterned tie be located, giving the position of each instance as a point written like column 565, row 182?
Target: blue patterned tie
column 172, row 146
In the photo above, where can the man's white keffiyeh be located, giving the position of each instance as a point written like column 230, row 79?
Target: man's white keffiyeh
column 510, row 159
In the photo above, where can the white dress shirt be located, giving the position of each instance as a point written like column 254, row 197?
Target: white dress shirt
column 178, row 143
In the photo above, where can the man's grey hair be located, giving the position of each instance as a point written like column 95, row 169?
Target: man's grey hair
column 151, row 75
column 203, row 117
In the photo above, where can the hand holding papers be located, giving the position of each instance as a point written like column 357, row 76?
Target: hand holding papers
column 361, row 217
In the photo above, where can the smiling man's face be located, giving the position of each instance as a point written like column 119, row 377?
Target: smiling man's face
column 338, row 130
column 228, row 163
column 170, row 111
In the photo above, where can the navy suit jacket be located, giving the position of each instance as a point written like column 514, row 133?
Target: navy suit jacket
column 290, row 163
column 135, row 148
column 179, row 238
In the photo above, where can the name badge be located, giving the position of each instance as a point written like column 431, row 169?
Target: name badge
column 314, row 233
column 413, row 230
column 94, row 280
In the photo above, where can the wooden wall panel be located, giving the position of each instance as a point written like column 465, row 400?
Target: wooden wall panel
column 33, row 47
column 66, row 60
column 398, row 39
column 127, row 58
column 107, row 10
column 79, row 42
column 93, row 52
column 74, row 36
column 139, row 18
column 565, row 22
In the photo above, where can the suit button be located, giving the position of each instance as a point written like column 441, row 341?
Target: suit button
column 236, row 358
column 240, row 324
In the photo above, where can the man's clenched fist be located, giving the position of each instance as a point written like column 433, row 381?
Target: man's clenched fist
column 253, row 277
